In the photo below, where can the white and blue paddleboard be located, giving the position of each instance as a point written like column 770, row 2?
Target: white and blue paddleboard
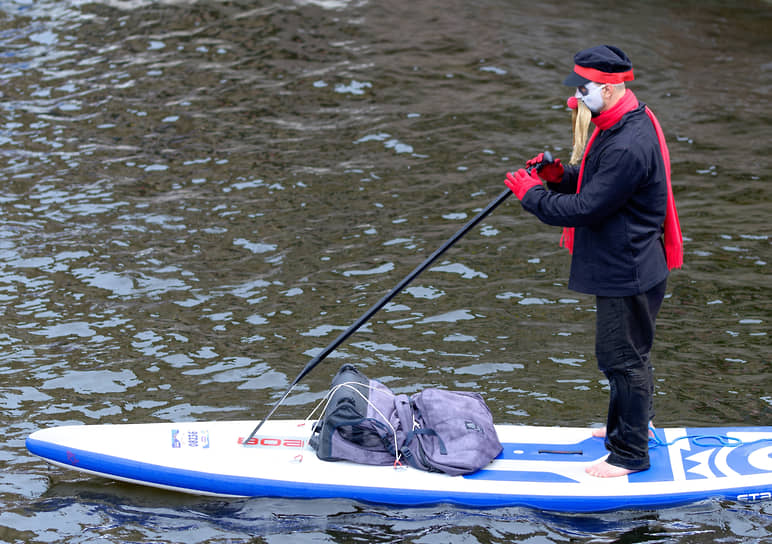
column 540, row 467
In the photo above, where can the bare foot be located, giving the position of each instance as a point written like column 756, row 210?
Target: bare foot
column 600, row 432
column 604, row 470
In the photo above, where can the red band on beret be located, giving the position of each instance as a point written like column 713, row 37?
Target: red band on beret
column 603, row 77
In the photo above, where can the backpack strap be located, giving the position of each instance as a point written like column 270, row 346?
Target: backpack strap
column 405, row 413
column 407, row 424
column 428, row 432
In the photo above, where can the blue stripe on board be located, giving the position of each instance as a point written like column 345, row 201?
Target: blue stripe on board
column 519, row 476
column 661, row 465
column 586, row 450
column 253, row 487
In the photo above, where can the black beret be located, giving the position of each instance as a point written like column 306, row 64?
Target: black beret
column 602, row 64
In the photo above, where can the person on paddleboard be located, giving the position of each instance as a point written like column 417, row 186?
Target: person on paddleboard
column 621, row 226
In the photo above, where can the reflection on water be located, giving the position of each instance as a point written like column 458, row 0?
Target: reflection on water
column 198, row 197
column 134, row 514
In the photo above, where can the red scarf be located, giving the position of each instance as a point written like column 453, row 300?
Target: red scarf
column 673, row 239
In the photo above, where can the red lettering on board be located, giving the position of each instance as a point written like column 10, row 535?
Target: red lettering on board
column 274, row 442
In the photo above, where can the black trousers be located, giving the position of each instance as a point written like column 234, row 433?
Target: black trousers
column 624, row 336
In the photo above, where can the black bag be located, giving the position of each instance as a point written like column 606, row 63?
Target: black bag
column 359, row 422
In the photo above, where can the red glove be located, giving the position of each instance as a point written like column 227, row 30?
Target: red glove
column 521, row 181
column 551, row 171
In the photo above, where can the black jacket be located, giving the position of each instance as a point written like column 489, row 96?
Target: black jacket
column 618, row 213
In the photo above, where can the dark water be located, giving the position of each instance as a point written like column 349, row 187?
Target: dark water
column 197, row 197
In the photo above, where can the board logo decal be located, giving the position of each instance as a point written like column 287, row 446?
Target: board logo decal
column 72, row 458
column 755, row 497
column 274, row 442
column 751, row 458
column 190, row 439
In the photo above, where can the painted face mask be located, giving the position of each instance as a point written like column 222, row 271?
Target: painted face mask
column 590, row 95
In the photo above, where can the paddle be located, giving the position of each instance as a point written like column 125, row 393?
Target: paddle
column 385, row 300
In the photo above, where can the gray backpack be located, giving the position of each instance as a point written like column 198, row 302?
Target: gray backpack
column 434, row 430
column 452, row 431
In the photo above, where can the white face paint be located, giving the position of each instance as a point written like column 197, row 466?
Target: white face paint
column 590, row 95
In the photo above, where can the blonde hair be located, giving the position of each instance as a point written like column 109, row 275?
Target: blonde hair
column 580, row 125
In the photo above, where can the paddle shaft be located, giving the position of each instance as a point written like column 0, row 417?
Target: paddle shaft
column 385, row 300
